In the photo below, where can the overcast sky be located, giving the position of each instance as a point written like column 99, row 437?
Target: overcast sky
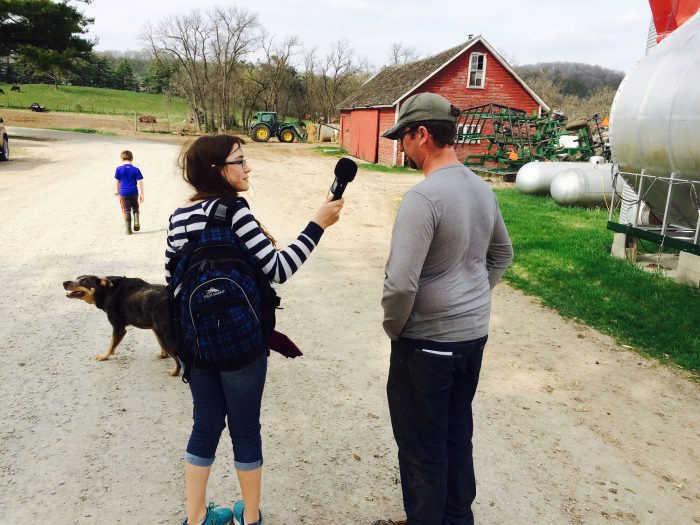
column 609, row 33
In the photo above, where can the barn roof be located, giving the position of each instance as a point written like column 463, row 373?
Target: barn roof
column 393, row 83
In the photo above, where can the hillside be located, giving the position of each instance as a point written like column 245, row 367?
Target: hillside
column 575, row 88
column 93, row 100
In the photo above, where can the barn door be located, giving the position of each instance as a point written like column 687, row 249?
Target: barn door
column 364, row 134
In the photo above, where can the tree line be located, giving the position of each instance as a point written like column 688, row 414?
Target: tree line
column 579, row 90
column 227, row 66
column 222, row 61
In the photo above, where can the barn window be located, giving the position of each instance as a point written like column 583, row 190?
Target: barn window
column 477, row 70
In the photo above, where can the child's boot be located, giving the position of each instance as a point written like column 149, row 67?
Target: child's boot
column 137, row 226
column 128, row 227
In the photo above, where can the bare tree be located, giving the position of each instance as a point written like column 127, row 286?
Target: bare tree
column 273, row 82
column 235, row 37
column 310, row 84
column 337, row 75
column 400, row 54
column 183, row 38
column 277, row 68
column 209, row 50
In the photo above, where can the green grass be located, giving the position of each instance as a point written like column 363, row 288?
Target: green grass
column 337, row 151
column 562, row 257
column 332, row 151
column 85, row 130
column 93, row 100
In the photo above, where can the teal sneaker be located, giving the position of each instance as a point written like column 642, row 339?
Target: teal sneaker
column 216, row 515
column 238, row 515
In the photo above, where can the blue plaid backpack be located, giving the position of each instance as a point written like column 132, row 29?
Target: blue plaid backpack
column 223, row 305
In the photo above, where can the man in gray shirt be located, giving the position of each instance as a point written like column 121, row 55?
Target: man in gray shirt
column 449, row 248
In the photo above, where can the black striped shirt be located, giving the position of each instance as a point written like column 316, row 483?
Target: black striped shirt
column 278, row 265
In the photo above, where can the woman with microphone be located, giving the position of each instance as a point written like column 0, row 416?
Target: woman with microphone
column 216, row 168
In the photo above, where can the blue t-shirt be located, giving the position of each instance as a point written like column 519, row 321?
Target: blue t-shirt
column 127, row 175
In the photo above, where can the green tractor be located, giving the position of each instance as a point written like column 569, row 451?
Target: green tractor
column 266, row 125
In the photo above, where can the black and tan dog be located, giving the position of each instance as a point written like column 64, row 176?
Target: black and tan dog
column 128, row 301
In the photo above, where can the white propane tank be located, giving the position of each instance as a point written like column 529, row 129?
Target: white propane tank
column 535, row 178
column 592, row 186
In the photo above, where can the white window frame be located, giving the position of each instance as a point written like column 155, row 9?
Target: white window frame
column 473, row 128
column 482, row 79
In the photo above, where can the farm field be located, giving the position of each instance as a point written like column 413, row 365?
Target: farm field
column 78, row 99
column 571, row 427
column 88, row 123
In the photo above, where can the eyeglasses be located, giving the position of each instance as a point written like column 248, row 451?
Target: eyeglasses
column 226, row 163
column 405, row 132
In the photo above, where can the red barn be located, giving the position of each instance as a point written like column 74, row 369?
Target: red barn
column 470, row 74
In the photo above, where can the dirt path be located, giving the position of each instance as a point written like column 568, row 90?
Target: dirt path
column 570, row 427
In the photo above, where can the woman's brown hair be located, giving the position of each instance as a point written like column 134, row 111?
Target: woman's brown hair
column 201, row 163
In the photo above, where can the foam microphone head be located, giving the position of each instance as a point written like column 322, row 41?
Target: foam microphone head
column 345, row 171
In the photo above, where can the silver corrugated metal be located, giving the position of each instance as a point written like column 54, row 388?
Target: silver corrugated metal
column 651, row 36
column 655, row 122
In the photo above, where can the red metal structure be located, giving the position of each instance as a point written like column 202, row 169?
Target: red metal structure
column 669, row 14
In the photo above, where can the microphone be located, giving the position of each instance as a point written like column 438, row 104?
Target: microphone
column 345, row 171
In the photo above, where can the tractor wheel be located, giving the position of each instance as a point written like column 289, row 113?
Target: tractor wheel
column 287, row 135
column 261, row 133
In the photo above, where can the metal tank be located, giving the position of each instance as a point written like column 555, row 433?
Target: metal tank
column 655, row 125
column 535, row 178
column 592, row 186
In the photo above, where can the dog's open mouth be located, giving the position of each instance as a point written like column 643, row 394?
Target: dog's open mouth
column 75, row 295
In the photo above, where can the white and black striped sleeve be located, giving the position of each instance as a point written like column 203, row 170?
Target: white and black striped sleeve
column 278, row 265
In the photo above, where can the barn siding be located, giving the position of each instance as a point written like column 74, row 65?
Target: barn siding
column 386, row 146
column 501, row 87
column 346, row 122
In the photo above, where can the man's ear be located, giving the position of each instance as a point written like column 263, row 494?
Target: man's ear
column 106, row 283
column 424, row 133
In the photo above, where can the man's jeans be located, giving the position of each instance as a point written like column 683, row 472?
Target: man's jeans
column 430, row 390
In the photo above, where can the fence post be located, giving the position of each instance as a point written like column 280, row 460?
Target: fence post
column 135, row 128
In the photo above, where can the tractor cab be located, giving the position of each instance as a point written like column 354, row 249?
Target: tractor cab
column 268, row 117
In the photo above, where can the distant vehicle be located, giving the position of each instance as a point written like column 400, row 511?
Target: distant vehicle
column 266, row 125
column 37, row 107
column 4, row 142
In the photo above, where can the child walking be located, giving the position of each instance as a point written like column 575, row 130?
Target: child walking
column 129, row 190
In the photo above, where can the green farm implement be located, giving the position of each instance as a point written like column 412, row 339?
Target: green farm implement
column 513, row 138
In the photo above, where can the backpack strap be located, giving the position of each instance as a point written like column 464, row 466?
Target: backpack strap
column 223, row 211
column 220, row 215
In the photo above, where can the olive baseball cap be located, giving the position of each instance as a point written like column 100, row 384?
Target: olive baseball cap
column 419, row 108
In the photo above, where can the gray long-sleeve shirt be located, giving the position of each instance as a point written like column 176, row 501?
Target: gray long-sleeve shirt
column 449, row 247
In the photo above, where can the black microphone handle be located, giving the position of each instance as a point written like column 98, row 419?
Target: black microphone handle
column 337, row 189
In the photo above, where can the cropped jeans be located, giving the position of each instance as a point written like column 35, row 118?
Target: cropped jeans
column 234, row 397
column 430, row 391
